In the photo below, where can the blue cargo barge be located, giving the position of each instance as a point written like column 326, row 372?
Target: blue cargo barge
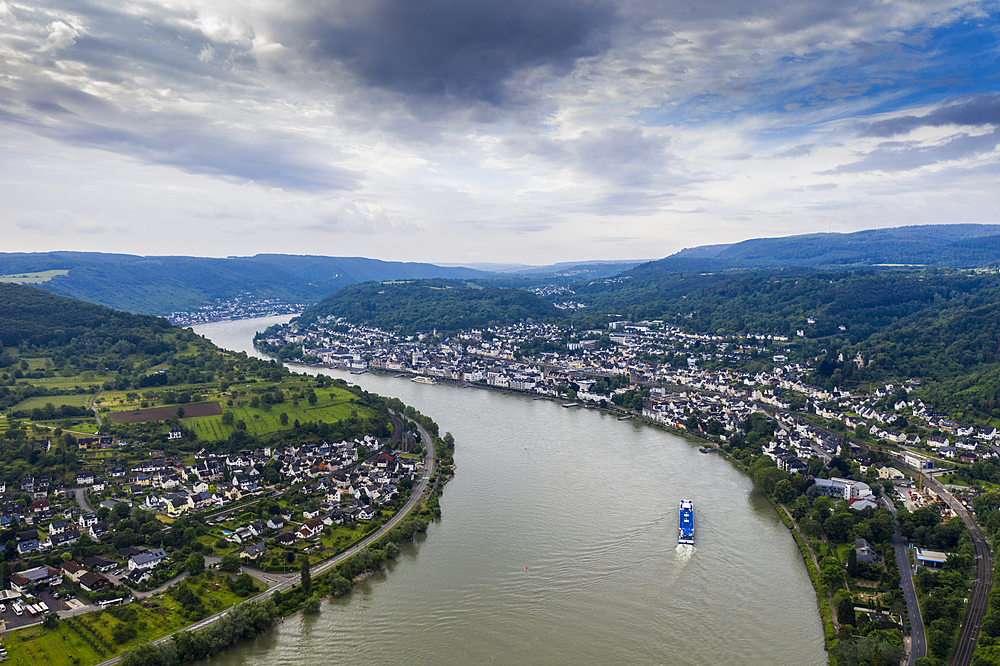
column 685, row 523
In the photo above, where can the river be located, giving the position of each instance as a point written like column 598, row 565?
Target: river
column 558, row 545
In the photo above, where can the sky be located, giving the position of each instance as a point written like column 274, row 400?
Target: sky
column 471, row 131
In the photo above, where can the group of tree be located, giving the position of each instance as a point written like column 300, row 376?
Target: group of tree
column 244, row 621
column 425, row 305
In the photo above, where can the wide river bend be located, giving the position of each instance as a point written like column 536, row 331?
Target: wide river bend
column 558, row 545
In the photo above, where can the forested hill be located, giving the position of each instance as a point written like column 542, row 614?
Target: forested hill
column 940, row 245
column 52, row 345
column 161, row 285
column 424, row 305
column 782, row 302
column 34, row 318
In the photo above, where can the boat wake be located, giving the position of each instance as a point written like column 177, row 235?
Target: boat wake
column 684, row 553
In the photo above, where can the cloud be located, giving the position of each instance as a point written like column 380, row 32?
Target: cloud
column 896, row 156
column 453, row 49
column 60, row 36
column 405, row 125
column 359, row 217
column 188, row 142
column 975, row 111
column 801, row 150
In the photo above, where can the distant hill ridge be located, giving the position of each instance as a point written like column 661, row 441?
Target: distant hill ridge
column 161, row 285
column 944, row 245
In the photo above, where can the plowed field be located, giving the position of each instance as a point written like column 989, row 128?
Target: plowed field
column 163, row 413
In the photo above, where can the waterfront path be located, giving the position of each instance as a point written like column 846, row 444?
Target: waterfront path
column 815, row 560
column 416, row 496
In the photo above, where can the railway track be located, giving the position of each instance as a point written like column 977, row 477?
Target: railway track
column 981, row 586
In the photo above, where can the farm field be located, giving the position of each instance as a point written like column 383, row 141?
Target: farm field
column 214, row 414
column 74, row 400
column 81, row 382
column 331, row 405
column 32, row 278
column 191, row 411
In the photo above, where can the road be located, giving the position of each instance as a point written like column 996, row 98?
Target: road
column 81, row 499
column 981, row 585
column 918, row 638
column 93, row 406
column 287, row 582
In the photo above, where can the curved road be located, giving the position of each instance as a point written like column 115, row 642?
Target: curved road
column 81, row 499
column 416, row 496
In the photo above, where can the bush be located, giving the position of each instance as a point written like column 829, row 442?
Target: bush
column 244, row 585
column 123, row 633
column 230, row 563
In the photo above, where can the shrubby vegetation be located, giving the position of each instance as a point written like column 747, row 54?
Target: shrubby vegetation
column 243, row 621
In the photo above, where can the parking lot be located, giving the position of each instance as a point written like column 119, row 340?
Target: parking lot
column 11, row 620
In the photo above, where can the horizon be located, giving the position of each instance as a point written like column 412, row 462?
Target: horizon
column 499, row 266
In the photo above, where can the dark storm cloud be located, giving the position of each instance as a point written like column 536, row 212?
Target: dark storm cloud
column 457, row 48
column 975, row 111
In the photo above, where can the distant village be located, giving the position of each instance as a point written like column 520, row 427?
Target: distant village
column 244, row 306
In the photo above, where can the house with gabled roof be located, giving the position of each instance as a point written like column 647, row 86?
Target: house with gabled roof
column 254, row 551
column 147, row 560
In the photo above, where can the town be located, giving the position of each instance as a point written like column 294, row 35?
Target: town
column 840, row 465
column 625, row 368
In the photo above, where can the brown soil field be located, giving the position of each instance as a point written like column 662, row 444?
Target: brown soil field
column 163, row 413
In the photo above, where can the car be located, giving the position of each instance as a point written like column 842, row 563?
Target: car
column 3, row 608
column 56, row 595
